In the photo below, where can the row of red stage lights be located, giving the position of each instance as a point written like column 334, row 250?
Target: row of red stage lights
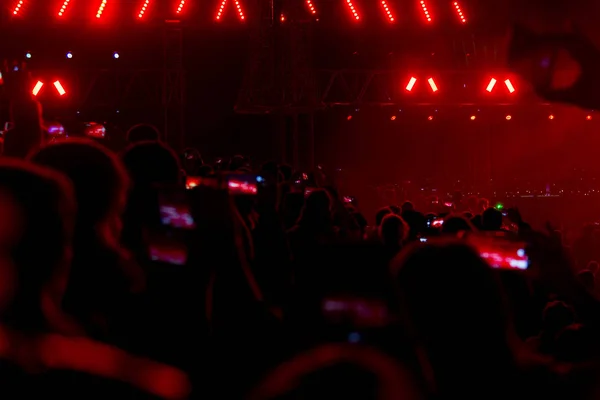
column 180, row 5
column 508, row 117
column 434, row 87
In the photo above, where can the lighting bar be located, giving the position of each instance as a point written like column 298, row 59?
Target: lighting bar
column 509, row 86
column 238, row 6
column 311, row 7
column 101, row 8
column 353, row 9
column 180, row 6
column 143, row 8
column 460, row 13
column 17, row 7
column 491, row 85
column 432, row 84
column 221, row 8
column 37, row 88
column 425, row 11
column 387, row 10
column 239, row 9
column 59, row 88
column 63, row 8
column 282, row 18
column 411, row 84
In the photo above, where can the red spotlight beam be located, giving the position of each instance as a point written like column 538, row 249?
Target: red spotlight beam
column 238, row 7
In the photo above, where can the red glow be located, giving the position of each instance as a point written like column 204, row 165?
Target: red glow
column 349, row 117
column 17, row 7
column 589, row 117
column 311, row 7
column 393, row 118
column 425, row 11
column 143, row 8
column 282, row 18
column 432, row 84
column 101, row 8
column 509, row 86
column 63, row 8
column 59, row 88
column 180, row 6
column 508, row 117
column 240, row 187
column 353, row 9
column 387, row 10
column 238, row 6
column 36, row 89
column 430, row 118
column 550, row 117
column 473, row 117
column 491, row 85
column 411, row 84
column 460, row 13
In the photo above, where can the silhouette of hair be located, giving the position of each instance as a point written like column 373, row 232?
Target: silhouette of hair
column 393, row 230
column 587, row 279
column 142, row 133
column 491, row 219
column 98, row 176
column 395, row 209
column 455, row 224
column 408, row 206
column 317, row 208
column 556, row 316
column 287, row 172
column 42, row 252
column 381, row 215
column 152, row 163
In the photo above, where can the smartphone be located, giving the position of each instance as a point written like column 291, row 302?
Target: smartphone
column 437, row 223
column 349, row 199
column 500, row 251
column 423, row 240
column 360, row 313
column 192, row 182
column 308, row 191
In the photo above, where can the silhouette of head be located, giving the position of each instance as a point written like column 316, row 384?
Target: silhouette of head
column 455, row 224
column 586, row 279
column 556, row 316
column 152, row 163
column 393, row 230
column 142, row 132
column 317, row 207
column 491, row 219
column 98, row 177
column 381, row 214
column 408, row 206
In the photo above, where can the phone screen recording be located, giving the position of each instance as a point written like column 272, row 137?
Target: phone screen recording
column 500, row 252
column 244, row 184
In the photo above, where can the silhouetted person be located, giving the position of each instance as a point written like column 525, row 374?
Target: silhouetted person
column 408, row 206
column 102, row 283
column 381, row 214
column 491, row 219
column 556, row 316
column 151, row 163
column 455, row 224
column 393, row 232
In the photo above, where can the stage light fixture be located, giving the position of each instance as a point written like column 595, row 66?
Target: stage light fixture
column 425, row 11
column 509, row 86
column 588, row 117
column 36, row 89
column 460, row 13
column 349, row 117
column 238, row 7
column 508, row 117
column 17, row 7
column 101, row 8
column 387, row 11
column 59, row 88
column 411, row 84
column 353, row 9
column 473, row 117
column 63, row 8
column 180, row 7
column 311, row 7
column 28, row 55
column 550, row 117
column 116, row 55
column 491, row 85
column 143, row 8
column 432, row 85
column 393, row 118
column 69, row 55
column 282, row 18
column 430, row 118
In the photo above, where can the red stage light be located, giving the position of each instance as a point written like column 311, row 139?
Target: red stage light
column 473, row 118
column 425, row 11
column 101, row 8
column 460, row 13
column 393, row 118
column 430, row 118
column 550, row 117
column 411, row 84
column 353, row 9
column 36, row 89
column 349, row 117
column 589, row 117
column 509, row 86
column 282, row 18
column 59, row 88
column 508, row 117
column 17, row 7
column 387, row 10
column 63, row 8
column 432, row 84
column 491, row 85
column 311, row 7
column 180, row 6
column 143, row 8
column 238, row 6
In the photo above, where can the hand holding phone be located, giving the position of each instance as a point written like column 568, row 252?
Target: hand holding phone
column 499, row 251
